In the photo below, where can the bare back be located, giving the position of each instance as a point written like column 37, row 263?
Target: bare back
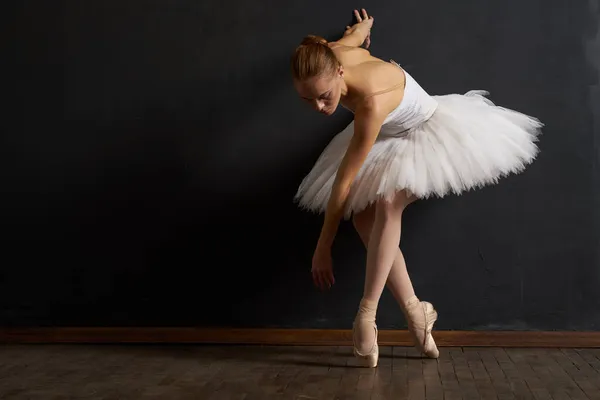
column 369, row 77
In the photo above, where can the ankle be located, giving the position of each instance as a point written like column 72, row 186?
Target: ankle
column 367, row 309
column 410, row 306
column 368, row 304
column 411, row 302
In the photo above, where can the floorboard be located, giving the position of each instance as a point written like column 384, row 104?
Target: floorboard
column 141, row 371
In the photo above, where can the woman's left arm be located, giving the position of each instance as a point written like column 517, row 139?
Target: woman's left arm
column 368, row 119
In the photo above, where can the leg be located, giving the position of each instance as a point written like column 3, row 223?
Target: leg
column 398, row 281
column 420, row 315
column 382, row 247
column 383, row 243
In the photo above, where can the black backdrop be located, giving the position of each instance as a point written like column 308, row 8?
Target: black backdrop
column 152, row 149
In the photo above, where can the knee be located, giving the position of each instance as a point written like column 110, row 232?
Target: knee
column 388, row 208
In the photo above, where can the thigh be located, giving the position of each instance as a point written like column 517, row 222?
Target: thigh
column 395, row 205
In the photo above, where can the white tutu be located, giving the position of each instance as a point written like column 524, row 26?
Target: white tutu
column 466, row 143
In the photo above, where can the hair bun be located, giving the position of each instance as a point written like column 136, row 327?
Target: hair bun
column 312, row 39
column 313, row 57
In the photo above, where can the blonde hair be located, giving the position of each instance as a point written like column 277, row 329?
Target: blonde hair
column 313, row 57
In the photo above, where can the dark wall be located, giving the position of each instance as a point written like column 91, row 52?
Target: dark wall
column 152, row 149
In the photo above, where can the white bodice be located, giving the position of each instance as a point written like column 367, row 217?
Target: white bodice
column 416, row 107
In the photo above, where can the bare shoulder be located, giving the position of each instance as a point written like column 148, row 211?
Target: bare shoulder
column 350, row 55
column 369, row 76
column 383, row 85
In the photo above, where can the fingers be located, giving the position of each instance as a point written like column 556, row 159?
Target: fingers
column 322, row 282
column 325, row 284
column 330, row 278
column 318, row 280
column 364, row 17
column 323, row 279
column 359, row 17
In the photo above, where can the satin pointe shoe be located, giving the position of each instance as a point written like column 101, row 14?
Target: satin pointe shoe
column 364, row 321
column 421, row 317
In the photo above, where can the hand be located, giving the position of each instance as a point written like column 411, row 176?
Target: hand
column 364, row 20
column 322, row 270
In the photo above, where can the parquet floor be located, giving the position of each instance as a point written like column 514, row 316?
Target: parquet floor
column 285, row 372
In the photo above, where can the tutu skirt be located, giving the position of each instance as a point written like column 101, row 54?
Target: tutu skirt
column 467, row 143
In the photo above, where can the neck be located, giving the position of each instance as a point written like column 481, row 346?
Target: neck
column 344, row 91
column 347, row 92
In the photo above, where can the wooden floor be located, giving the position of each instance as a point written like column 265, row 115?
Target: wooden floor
column 261, row 372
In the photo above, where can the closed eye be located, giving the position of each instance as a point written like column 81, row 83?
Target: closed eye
column 324, row 96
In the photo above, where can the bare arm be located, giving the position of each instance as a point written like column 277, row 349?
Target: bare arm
column 358, row 33
column 368, row 120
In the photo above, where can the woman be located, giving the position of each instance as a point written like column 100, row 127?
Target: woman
column 403, row 144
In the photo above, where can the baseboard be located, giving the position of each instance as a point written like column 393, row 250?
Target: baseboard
column 313, row 337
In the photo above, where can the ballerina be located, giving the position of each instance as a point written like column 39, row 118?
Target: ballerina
column 402, row 145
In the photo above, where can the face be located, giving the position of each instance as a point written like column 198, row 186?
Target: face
column 322, row 93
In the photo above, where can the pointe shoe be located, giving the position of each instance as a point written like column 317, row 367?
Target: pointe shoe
column 421, row 316
column 370, row 358
column 365, row 320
